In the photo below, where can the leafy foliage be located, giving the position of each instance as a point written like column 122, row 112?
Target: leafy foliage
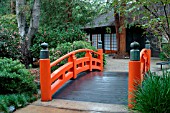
column 151, row 15
column 54, row 37
column 60, row 22
column 154, row 94
column 9, row 37
column 63, row 22
column 165, row 55
column 16, row 100
column 14, row 78
column 4, row 7
column 63, row 49
column 17, row 85
column 66, row 13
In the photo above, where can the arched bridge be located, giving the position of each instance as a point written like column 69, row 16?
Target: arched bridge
column 52, row 81
column 104, row 87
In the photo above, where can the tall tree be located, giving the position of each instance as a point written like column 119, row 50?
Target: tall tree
column 117, row 26
column 26, row 32
column 79, row 11
column 151, row 15
column 120, row 31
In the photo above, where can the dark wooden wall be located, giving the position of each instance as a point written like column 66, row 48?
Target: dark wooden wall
column 135, row 34
column 132, row 34
column 100, row 30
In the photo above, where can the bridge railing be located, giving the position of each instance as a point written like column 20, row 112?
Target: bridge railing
column 139, row 65
column 145, row 56
column 51, row 81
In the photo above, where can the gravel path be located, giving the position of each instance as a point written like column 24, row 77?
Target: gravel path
column 121, row 65
column 116, row 65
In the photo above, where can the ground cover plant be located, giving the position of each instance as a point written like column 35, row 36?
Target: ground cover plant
column 17, row 86
column 154, row 94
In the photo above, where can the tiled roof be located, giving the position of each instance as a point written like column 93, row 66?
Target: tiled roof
column 106, row 19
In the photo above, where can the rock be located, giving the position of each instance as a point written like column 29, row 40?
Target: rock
column 11, row 109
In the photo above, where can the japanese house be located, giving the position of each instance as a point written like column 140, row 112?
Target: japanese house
column 103, row 30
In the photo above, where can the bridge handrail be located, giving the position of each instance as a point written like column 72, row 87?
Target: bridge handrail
column 145, row 62
column 71, row 53
column 51, row 81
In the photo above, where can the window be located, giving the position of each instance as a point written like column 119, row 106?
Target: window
column 95, row 39
column 110, row 42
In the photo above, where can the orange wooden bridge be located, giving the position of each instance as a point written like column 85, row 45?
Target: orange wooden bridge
column 104, row 87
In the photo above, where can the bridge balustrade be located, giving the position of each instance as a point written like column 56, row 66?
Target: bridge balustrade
column 51, row 81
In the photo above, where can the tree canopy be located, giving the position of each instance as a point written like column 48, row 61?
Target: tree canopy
column 55, row 22
column 152, row 15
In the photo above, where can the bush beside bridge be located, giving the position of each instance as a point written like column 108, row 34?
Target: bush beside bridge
column 17, row 86
column 153, row 96
column 63, row 49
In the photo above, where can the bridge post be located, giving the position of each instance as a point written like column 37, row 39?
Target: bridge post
column 45, row 73
column 88, row 54
column 147, row 46
column 72, row 58
column 134, row 72
column 100, row 51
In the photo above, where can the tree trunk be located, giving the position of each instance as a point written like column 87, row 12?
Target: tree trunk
column 21, row 18
column 13, row 7
column 34, row 21
column 26, row 35
column 122, row 35
column 117, row 26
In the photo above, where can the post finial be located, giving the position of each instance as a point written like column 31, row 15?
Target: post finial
column 44, row 45
column 134, row 45
column 44, row 53
column 147, row 44
column 134, row 52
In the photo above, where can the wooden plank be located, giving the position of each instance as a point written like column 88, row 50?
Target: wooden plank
column 106, row 87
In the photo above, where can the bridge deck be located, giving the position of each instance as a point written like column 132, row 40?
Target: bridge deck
column 100, row 87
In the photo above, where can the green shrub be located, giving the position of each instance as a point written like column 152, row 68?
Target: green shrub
column 14, row 78
column 104, row 59
column 16, row 100
column 9, row 37
column 9, row 22
column 154, row 94
column 54, row 37
column 63, row 49
column 165, row 54
column 17, row 86
column 4, row 7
